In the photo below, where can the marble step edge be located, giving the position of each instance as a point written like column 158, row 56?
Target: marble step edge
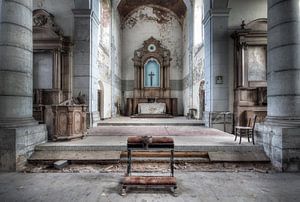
column 205, row 148
column 151, row 124
column 115, row 157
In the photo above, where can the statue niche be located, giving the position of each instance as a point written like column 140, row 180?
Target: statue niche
column 152, row 80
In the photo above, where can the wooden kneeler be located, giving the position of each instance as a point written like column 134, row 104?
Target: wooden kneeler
column 138, row 143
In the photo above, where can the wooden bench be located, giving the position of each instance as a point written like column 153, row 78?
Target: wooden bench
column 149, row 180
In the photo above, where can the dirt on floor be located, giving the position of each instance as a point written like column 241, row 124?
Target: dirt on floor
column 162, row 168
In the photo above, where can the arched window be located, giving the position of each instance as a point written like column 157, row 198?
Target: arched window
column 152, row 73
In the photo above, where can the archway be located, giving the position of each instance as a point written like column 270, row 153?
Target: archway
column 201, row 99
column 100, row 106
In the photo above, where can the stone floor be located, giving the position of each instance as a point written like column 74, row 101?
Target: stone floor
column 185, row 137
column 193, row 186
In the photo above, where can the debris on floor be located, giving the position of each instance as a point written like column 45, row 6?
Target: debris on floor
column 152, row 167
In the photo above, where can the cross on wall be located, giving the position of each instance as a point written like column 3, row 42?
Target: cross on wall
column 151, row 78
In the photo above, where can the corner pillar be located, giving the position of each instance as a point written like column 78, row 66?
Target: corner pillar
column 216, row 66
column 19, row 132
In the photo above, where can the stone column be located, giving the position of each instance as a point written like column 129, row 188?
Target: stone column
column 16, row 63
column 19, row 132
column 284, row 60
column 280, row 134
column 216, row 62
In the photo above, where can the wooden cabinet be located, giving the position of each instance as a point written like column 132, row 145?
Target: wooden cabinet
column 69, row 121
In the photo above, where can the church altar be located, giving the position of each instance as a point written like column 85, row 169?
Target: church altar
column 152, row 108
column 152, row 92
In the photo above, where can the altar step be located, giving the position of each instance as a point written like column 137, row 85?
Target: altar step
column 152, row 116
column 50, row 156
column 156, row 120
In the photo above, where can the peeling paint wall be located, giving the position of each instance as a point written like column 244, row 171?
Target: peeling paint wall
column 198, row 76
column 104, row 59
column 116, row 61
column 94, row 74
column 162, row 24
column 188, row 58
column 198, row 57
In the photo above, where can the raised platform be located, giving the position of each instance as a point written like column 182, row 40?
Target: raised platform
column 103, row 140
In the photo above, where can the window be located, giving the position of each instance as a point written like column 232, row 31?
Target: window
column 152, row 74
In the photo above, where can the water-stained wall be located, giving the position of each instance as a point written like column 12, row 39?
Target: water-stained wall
column 116, row 53
column 187, row 58
column 198, row 60
column 104, row 60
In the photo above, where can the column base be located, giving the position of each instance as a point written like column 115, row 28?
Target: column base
column 216, row 120
column 14, row 123
column 281, row 142
column 17, row 145
column 93, row 119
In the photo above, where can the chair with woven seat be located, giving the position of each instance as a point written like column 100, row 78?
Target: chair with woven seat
column 246, row 130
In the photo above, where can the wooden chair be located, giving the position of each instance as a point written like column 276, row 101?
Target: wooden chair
column 247, row 130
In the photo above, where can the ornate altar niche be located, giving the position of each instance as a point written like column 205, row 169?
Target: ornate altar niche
column 250, row 92
column 152, row 79
column 52, row 60
column 52, row 67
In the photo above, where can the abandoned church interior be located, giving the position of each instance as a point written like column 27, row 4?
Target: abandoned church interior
column 221, row 77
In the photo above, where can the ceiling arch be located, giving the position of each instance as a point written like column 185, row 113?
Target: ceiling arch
column 177, row 6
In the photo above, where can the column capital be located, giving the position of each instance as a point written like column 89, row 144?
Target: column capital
column 216, row 12
column 82, row 13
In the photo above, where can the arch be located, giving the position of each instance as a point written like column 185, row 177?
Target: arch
column 152, row 73
column 101, row 99
column 201, row 99
column 158, row 9
column 177, row 6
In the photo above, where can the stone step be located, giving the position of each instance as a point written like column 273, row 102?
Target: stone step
column 76, row 156
column 200, row 123
column 235, row 156
column 123, row 147
column 44, row 156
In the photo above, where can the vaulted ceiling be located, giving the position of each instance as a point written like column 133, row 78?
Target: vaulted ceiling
column 177, row 6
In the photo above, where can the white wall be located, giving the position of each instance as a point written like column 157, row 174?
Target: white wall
column 62, row 11
column 246, row 10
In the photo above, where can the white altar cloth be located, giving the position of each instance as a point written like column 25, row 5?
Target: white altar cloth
column 152, row 108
